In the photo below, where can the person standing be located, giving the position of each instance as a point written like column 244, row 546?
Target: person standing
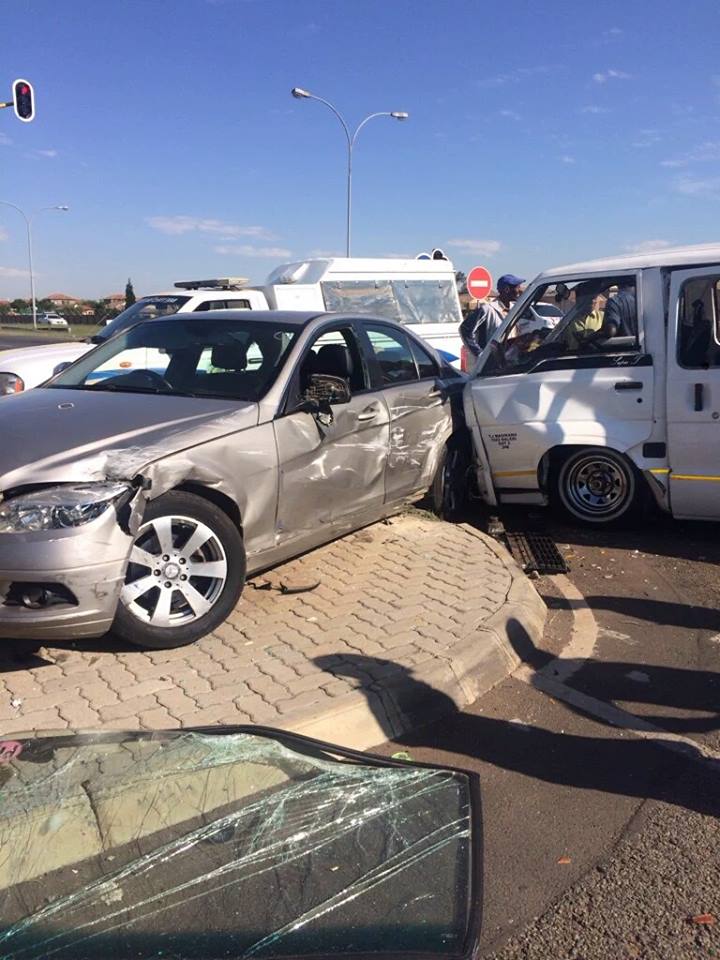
column 482, row 322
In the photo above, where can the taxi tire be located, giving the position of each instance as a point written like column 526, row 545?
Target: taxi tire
column 179, row 503
column 617, row 476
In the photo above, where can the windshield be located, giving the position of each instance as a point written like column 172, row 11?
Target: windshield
column 149, row 308
column 186, row 356
column 407, row 301
column 233, row 844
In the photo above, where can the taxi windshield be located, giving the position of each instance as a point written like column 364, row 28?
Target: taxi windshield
column 149, row 308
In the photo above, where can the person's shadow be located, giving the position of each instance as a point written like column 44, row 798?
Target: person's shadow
column 621, row 764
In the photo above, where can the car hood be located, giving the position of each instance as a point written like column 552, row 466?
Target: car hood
column 55, row 435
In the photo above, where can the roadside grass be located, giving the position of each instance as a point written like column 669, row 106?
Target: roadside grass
column 77, row 331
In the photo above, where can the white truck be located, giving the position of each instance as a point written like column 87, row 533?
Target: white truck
column 420, row 293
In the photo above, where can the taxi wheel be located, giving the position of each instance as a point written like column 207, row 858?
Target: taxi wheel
column 596, row 486
column 185, row 573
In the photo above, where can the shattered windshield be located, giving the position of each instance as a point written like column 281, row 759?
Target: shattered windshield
column 237, row 844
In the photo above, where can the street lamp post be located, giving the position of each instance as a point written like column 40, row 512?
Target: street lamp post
column 301, row 94
column 28, row 223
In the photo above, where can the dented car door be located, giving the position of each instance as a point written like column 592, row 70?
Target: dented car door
column 331, row 468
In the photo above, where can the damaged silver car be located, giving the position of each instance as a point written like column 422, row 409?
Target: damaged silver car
column 240, row 842
column 140, row 486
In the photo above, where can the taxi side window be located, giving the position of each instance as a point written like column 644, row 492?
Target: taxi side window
column 698, row 332
column 223, row 305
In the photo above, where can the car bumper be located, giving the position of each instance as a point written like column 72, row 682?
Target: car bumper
column 86, row 566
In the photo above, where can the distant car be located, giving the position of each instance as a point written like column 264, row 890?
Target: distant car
column 144, row 492
column 52, row 320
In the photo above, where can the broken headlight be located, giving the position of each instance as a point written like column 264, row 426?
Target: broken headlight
column 58, row 507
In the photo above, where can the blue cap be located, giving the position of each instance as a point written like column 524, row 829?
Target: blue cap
column 509, row 280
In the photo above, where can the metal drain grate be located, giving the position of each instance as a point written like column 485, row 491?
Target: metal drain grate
column 536, row 551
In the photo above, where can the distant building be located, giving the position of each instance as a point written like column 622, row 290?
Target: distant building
column 62, row 300
column 115, row 301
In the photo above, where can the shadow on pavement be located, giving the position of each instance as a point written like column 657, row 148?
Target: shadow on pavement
column 621, row 764
column 660, row 612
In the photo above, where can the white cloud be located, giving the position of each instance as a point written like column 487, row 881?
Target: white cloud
column 647, row 246
column 593, row 109
column 5, row 140
column 3, row 234
column 646, row 138
column 614, row 33
column 515, row 76
column 703, row 153
column 510, row 114
column 46, row 153
column 698, row 187
column 567, row 158
column 11, row 272
column 324, row 253
column 611, row 75
column 246, row 250
column 485, row 248
column 178, row 225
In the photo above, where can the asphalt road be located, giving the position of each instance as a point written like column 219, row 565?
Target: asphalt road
column 600, row 842
column 8, row 340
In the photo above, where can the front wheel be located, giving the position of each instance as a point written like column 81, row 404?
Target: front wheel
column 596, row 486
column 185, row 573
column 449, row 491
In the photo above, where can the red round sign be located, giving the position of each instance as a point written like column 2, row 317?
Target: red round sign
column 479, row 283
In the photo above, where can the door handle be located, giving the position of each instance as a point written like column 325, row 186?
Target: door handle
column 369, row 413
column 629, row 385
column 698, row 397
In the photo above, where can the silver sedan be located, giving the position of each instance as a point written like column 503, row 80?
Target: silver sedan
column 143, row 484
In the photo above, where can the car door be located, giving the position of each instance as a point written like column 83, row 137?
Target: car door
column 331, row 472
column 693, row 392
column 420, row 410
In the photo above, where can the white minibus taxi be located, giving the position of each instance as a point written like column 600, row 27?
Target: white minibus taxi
column 617, row 400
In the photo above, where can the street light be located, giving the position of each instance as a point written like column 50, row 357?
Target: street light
column 301, row 94
column 28, row 222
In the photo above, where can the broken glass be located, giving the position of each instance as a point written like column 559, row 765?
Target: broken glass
column 241, row 843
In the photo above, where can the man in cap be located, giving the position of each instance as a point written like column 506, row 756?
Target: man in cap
column 482, row 322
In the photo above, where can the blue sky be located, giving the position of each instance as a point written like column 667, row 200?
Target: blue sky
column 538, row 134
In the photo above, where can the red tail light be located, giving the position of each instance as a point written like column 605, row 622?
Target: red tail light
column 466, row 359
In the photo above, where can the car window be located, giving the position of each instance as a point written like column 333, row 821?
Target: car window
column 149, row 308
column 425, row 362
column 223, row 305
column 335, row 353
column 566, row 318
column 393, row 354
column 698, row 332
column 186, row 356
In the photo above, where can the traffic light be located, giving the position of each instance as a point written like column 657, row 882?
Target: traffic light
column 23, row 100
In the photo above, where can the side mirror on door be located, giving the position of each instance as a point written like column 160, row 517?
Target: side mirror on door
column 327, row 389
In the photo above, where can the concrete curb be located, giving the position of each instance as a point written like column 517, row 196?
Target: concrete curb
column 391, row 706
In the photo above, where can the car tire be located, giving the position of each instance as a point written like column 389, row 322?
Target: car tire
column 162, row 607
column 597, row 486
column 449, row 490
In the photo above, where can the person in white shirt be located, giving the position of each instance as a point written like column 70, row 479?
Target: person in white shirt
column 480, row 324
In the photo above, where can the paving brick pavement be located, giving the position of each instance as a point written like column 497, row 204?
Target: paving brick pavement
column 392, row 611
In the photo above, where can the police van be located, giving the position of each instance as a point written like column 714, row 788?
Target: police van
column 616, row 401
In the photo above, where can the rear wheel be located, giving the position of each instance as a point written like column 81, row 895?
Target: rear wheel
column 185, row 574
column 597, row 486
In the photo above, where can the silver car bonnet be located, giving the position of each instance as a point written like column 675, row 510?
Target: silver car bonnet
column 55, row 435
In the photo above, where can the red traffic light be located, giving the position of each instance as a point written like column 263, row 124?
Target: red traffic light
column 24, row 100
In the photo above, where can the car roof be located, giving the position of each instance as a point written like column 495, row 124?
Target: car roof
column 703, row 253
column 293, row 318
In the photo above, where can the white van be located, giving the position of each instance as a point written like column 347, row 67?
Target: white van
column 619, row 398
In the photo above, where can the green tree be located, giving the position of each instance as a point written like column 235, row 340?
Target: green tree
column 129, row 294
column 45, row 305
column 20, row 306
column 460, row 280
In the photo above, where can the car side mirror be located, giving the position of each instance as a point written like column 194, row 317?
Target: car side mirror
column 327, row 390
column 61, row 366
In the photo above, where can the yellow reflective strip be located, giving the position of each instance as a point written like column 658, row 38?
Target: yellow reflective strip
column 660, row 470
column 516, row 473
column 690, row 476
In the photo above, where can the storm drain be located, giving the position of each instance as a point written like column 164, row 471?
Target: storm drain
column 536, row 551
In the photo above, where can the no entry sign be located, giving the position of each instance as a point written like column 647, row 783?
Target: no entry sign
column 479, row 283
